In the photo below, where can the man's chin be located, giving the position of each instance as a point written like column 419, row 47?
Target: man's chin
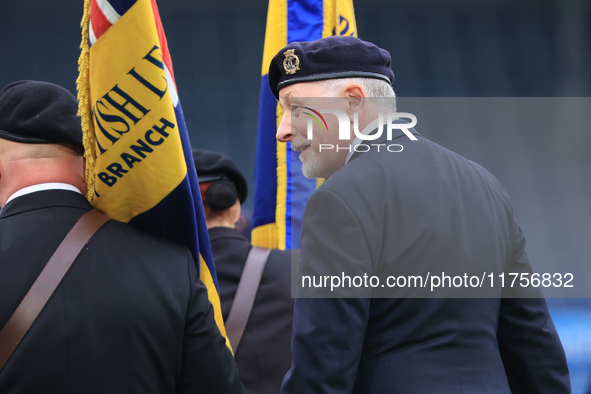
column 308, row 176
column 310, row 171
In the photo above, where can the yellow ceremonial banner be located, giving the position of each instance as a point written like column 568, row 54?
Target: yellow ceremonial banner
column 134, row 120
column 134, row 133
column 280, row 196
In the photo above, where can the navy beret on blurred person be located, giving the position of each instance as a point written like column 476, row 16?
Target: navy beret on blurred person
column 35, row 112
column 213, row 167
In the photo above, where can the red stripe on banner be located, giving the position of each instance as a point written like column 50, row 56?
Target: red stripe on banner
column 163, row 43
column 100, row 23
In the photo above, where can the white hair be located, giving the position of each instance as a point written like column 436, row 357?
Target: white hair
column 374, row 88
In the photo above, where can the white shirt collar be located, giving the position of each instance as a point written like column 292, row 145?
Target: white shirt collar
column 41, row 187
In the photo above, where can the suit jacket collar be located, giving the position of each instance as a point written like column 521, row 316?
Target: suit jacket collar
column 396, row 134
column 45, row 199
column 225, row 232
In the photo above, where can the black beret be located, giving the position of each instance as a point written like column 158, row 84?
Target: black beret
column 213, row 166
column 328, row 58
column 36, row 112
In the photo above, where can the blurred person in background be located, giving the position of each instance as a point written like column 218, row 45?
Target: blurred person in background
column 263, row 354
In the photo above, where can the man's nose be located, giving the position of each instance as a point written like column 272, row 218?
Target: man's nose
column 284, row 130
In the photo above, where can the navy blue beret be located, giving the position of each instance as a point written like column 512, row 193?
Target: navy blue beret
column 214, row 166
column 328, row 58
column 36, row 112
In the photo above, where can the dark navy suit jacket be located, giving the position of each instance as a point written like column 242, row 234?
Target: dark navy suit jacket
column 425, row 209
column 264, row 354
column 130, row 316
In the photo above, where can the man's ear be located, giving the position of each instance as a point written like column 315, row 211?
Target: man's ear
column 355, row 94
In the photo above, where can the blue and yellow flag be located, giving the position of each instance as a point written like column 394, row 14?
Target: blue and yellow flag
column 281, row 190
column 139, row 164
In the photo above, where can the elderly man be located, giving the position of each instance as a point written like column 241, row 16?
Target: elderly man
column 130, row 315
column 383, row 211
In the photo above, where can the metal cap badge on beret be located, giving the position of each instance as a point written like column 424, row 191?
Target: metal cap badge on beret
column 328, row 58
column 36, row 112
column 213, row 166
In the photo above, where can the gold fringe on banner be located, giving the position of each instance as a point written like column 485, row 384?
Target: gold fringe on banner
column 265, row 236
column 84, row 107
column 330, row 17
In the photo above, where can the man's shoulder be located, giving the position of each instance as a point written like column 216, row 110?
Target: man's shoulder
column 411, row 177
column 410, row 163
column 127, row 240
column 357, row 178
column 146, row 262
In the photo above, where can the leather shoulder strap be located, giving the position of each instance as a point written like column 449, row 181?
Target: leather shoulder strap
column 245, row 294
column 51, row 276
